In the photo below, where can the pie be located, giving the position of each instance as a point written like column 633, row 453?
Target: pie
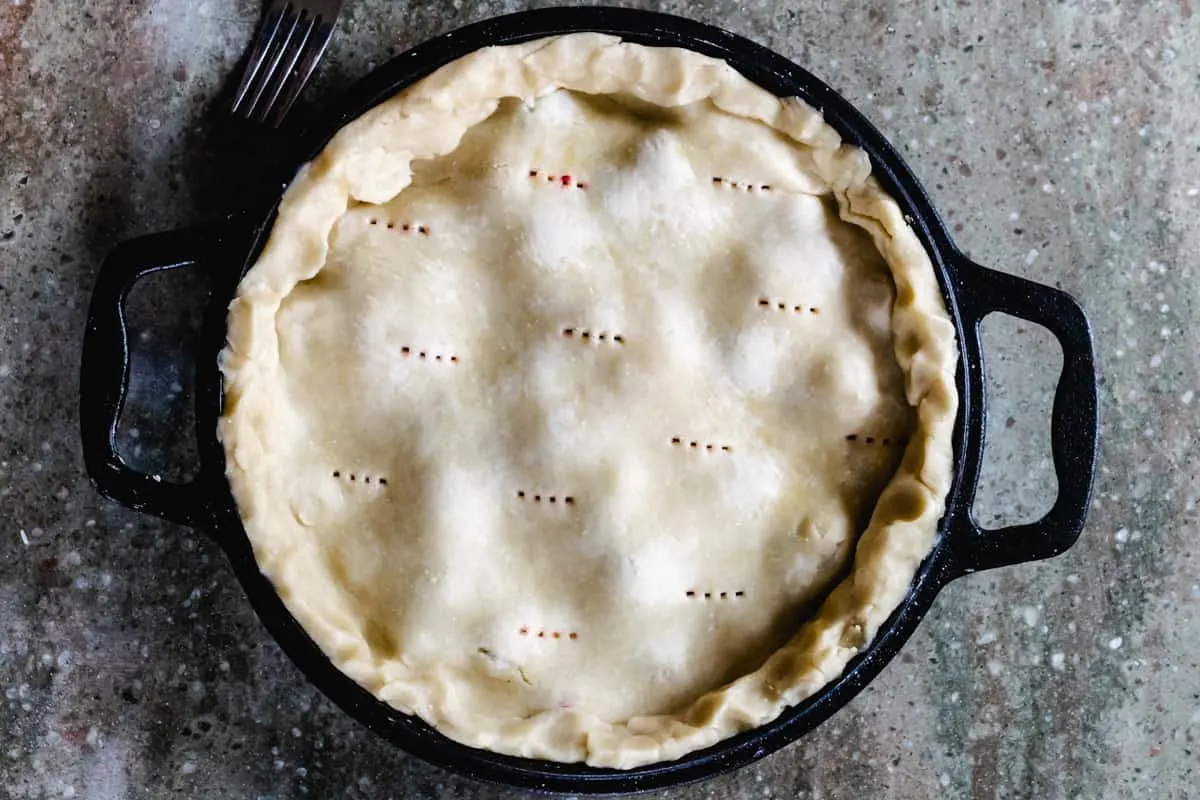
column 589, row 401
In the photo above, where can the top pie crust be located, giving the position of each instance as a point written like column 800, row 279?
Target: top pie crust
column 589, row 401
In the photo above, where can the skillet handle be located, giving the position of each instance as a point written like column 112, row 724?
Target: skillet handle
column 104, row 374
column 1074, row 421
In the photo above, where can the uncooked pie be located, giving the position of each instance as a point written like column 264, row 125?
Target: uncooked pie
column 589, row 401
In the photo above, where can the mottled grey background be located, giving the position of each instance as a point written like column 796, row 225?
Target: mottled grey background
column 1059, row 139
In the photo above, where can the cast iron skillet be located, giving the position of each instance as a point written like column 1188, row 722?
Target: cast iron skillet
column 229, row 247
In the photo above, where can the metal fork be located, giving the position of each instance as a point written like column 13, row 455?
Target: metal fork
column 290, row 41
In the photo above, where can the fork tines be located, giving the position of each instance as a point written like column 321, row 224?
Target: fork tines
column 289, row 43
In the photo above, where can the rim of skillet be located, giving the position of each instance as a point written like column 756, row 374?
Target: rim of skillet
column 250, row 229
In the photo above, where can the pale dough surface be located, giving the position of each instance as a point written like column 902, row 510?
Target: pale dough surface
column 589, row 401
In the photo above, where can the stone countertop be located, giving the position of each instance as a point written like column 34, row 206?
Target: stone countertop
column 1060, row 141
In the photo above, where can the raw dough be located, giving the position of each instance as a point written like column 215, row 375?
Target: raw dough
column 589, row 401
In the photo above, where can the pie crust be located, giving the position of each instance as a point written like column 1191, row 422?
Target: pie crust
column 589, row 401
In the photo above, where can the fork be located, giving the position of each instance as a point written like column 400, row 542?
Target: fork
column 290, row 41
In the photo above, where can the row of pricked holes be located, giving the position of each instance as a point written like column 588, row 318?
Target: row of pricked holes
column 565, row 181
column 854, row 437
column 406, row 226
column 678, row 442
column 765, row 302
column 524, row 631
column 710, row 595
column 424, row 354
column 549, row 498
column 749, row 187
column 586, row 335
column 337, row 473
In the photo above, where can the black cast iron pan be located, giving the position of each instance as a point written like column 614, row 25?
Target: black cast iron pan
column 229, row 247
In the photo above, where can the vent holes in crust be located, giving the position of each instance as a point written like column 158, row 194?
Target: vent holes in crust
column 726, row 595
column 427, row 355
column 355, row 477
column 883, row 441
column 778, row 305
column 562, row 181
column 525, row 630
column 404, row 227
column 586, row 335
column 741, row 186
column 693, row 444
column 552, row 499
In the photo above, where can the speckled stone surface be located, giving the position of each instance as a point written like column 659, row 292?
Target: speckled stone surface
column 1061, row 142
